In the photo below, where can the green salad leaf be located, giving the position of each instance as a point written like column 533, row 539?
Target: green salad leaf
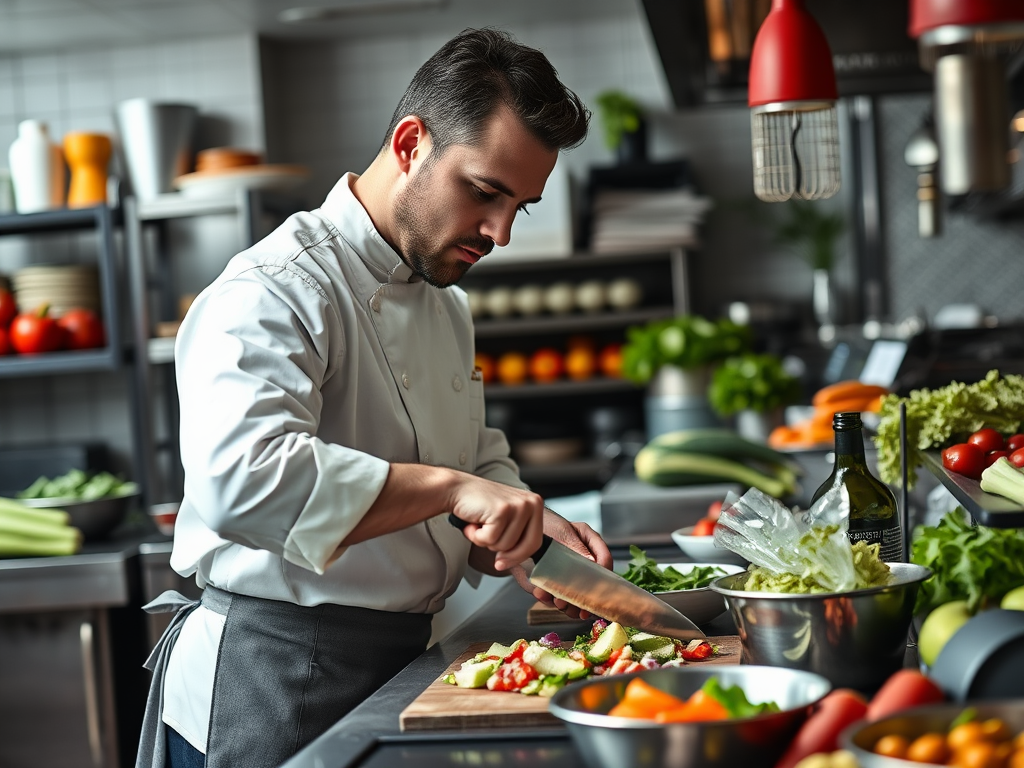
column 937, row 418
column 969, row 562
column 644, row 572
column 735, row 700
column 752, row 382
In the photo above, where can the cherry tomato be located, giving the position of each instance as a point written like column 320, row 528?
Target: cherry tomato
column 34, row 332
column 715, row 510
column 965, row 459
column 1017, row 458
column 8, row 309
column 987, row 439
column 5, row 342
column 82, row 329
column 991, row 456
column 1015, row 442
column 704, row 527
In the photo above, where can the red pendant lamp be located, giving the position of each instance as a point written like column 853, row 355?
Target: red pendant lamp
column 792, row 98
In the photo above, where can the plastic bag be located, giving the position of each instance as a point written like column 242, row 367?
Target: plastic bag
column 810, row 544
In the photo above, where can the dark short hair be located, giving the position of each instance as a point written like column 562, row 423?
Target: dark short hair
column 460, row 87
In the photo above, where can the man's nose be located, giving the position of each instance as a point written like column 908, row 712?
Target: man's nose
column 499, row 228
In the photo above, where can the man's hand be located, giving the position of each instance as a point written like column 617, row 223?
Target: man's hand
column 580, row 538
column 499, row 518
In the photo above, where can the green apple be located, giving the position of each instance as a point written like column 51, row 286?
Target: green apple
column 940, row 625
column 1013, row 600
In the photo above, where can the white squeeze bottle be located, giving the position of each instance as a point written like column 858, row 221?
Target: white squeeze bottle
column 37, row 166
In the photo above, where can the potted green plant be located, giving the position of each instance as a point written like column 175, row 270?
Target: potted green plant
column 753, row 388
column 623, row 125
column 674, row 358
column 813, row 233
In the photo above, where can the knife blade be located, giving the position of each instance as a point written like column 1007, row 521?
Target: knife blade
column 581, row 582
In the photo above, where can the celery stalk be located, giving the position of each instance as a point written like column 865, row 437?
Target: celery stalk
column 16, row 526
column 43, row 516
column 1004, row 479
column 12, row 545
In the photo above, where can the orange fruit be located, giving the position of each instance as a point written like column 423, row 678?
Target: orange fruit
column 610, row 360
column 580, row 363
column 512, row 368
column 546, row 364
column 486, row 365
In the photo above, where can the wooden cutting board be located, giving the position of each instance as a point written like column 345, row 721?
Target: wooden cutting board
column 446, row 707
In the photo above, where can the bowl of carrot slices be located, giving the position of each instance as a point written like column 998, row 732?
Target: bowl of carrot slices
column 688, row 717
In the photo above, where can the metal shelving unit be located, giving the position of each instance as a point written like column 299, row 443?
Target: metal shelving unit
column 986, row 508
column 102, row 219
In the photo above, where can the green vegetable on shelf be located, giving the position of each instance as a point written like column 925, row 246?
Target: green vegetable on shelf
column 752, row 382
column 26, row 532
column 1004, row 479
column 78, row 485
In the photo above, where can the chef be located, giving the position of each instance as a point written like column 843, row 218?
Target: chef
column 332, row 418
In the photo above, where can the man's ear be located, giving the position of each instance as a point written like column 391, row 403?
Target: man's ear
column 410, row 143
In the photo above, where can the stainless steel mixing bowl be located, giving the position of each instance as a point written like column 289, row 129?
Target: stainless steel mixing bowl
column 855, row 639
column 616, row 742
column 94, row 518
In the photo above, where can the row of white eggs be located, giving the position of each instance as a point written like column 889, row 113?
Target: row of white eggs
column 558, row 298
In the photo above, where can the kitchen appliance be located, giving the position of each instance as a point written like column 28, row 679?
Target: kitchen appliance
column 792, row 97
column 967, row 46
column 157, row 141
column 571, row 577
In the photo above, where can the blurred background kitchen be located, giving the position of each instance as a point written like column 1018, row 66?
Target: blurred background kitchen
column 220, row 117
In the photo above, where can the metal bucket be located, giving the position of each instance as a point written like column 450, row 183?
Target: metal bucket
column 157, row 141
column 677, row 399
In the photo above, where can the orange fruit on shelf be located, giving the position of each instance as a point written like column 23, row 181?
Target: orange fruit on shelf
column 486, row 365
column 512, row 368
column 580, row 363
column 546, row 365
column 610, row 360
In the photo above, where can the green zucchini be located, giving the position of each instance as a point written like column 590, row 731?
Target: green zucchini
column 726, row 444
column 659, row 466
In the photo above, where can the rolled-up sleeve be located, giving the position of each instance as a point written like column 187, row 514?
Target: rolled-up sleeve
column 251, row 358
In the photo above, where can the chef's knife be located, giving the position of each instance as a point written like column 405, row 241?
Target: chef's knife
column 581, row 582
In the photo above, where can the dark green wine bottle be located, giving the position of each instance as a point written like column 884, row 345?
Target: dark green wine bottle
column 873, row 513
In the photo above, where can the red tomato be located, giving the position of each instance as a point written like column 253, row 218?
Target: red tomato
column 987, row 439
column 715, row 510
column 964, row 458
column 5, row 342
column 82, row 329
column 904, row 688
column 512, row 676
column 1017, row 458
column 837, row 710
column 34, row 332
column 991, row 456
column 8, row 309
column 1015, row 443
column 704, row 527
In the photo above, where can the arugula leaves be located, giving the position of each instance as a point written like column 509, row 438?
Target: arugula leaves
column 644, row 572
column 973, row 563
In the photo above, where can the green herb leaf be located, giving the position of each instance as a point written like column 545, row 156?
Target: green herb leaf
column 735, row 700
column 644, row 572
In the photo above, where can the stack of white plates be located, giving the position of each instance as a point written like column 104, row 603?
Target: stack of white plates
column 63, row 287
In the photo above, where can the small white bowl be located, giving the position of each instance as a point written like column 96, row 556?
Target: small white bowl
column 703, row 548
column 698, row 605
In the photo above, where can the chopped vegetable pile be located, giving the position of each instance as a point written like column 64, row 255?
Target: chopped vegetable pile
column 77, row 484
column 713, row 701
column 973, row 563
column 541, row 667
column 645, row 572
column 869, row 570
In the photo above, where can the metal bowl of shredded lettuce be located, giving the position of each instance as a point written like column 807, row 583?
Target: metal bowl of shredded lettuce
column 856, row 639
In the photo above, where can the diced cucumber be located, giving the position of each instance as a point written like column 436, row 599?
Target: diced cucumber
column 502, row 651
column 613, row 638
column 550, row 685
column 643, row 642
column 532, row 688
column 547, row 662
column 474, row 674
column 664, row 653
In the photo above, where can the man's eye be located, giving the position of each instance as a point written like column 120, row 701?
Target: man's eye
column 484, row 196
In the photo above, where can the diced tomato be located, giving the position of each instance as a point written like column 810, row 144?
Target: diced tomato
column 620, row 666
column 581, row 657
column 616, row 655
column 517, row 653
column 512, row 676
column 634, row 666
column 987, row 439
column 697, row 651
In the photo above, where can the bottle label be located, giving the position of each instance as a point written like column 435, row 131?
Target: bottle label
column 890, row 539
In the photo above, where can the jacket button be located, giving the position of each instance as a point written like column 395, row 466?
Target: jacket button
column 405, row 380
column 457, row 384
column 462, row 458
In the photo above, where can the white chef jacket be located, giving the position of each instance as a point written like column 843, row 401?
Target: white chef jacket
column 310, row 363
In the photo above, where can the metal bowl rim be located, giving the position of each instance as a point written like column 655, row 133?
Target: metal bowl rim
column 598, row 720
column 70, row 501
column 921, row 571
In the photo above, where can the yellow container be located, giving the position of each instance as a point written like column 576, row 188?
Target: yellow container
column 87, row 155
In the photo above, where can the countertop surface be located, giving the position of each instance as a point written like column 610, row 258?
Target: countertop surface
column 370, row 734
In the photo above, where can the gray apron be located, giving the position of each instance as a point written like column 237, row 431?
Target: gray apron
column 285, row 673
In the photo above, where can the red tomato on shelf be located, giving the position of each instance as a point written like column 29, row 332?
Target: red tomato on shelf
column 8, row 309
column 35, row 332
column 1017, row 458
column 82, row 329
column 1015, row 443
column 965, row 459
column 5, row 342
column 987, row 439
column 991, row 456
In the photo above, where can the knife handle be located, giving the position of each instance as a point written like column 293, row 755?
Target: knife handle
column 461, row 524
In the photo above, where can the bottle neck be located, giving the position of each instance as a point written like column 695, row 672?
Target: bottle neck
column 849, row 447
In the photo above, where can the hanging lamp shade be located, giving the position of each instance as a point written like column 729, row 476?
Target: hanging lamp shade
column 926, row 15
column 792, row 95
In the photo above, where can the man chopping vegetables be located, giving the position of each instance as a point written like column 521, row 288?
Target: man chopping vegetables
column 331, row 419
